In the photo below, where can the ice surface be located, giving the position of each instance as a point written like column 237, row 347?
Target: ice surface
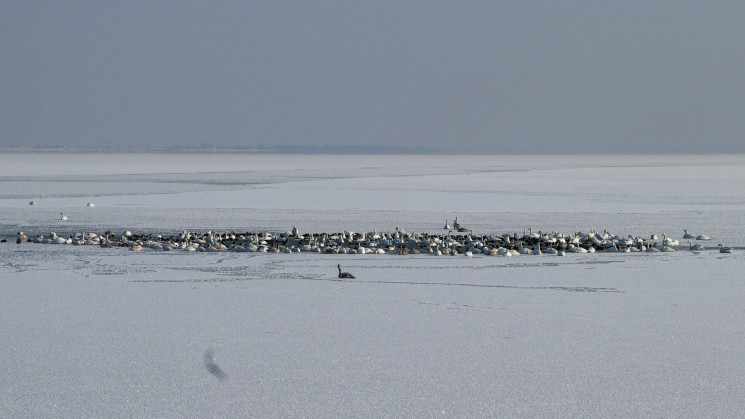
column 92, row 332
column 628, row 194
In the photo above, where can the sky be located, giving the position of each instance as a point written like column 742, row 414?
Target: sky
column 469, row 77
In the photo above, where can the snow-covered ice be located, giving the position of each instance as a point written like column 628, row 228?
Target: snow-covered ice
column 92, row 332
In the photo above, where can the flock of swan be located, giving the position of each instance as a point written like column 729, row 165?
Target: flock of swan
column 398, row 242
column 454, row 242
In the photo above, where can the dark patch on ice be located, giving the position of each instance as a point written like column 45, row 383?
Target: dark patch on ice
column 465, row 307
column 119, row 270
column 213, row 368
column 224, row 270
column 19, row 267
column 458, row 306
column 232, row 279
column 460, row 284
column 503, row 266
column 195, row 280
column 104, row 270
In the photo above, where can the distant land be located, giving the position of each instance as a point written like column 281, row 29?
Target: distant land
column 298, row 149
column 206, row 148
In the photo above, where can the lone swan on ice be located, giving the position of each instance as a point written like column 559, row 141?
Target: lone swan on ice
column 344, row 274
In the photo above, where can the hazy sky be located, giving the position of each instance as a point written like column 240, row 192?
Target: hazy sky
column 508, row 77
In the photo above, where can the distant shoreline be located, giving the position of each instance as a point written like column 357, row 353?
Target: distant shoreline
column 292, row 149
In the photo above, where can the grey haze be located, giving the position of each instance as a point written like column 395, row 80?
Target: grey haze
column 473, row 76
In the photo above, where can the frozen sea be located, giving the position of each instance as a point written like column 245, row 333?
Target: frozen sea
column 93, row 332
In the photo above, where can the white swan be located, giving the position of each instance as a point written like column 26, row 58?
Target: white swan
column 90, row 204
column 63, row 217
column 686, row 235
column 447, row 225
column 695, row 246
column 32, row 203
column 610, row 246
column 668, row 241
column 724, row 249
column 703, row 237
column 523, row 250
column 652, row 249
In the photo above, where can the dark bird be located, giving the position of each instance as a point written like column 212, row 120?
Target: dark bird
column 344, row 274
column 213, row 368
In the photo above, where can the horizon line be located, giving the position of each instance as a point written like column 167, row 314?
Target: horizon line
column 308, row 150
